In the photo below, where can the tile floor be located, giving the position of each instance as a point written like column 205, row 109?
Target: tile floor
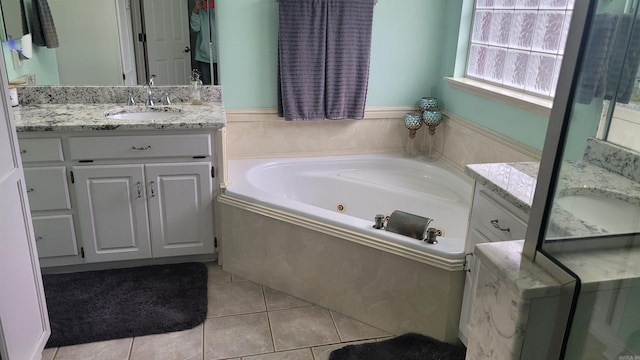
column 245, row 321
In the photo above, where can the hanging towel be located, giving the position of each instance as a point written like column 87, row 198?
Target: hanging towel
column 42, row 26
column 301, row 59
column 23, row 17
column 625, row 58
column 349, row 26
column 594, row 70
column 324, row 48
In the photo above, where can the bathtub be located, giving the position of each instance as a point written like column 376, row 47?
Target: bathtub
column 305, row 226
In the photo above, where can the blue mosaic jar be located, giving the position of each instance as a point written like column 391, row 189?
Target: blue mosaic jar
column 432, row 117
column 413, row 120
column 428, row 103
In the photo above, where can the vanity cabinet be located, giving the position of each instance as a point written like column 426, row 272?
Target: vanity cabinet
column 137, row 195
column 49, row 200
column 492, row 219
column 132, row 207
column 140, row 211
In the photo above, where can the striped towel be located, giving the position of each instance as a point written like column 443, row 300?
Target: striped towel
column 324, row 50
column 43, row 29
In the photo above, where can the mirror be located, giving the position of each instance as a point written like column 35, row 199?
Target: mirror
column 620, row 121
column 124, row 45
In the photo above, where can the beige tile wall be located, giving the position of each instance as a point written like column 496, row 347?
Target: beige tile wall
column 260, row 133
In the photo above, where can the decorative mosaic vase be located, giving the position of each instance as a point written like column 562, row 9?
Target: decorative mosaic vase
column 413, row 120
column 432, row 117
column 428, row 103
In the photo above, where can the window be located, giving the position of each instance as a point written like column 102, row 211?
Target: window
column 519, row 44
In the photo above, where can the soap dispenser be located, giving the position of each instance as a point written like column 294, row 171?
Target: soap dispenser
column 195, row 88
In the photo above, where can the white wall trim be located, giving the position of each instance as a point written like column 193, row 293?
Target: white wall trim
column 270, row 114
column 535, row 104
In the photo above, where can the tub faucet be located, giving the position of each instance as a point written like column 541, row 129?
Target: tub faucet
column 148, row 86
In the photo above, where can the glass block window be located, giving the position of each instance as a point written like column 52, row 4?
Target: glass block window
column 519, row 43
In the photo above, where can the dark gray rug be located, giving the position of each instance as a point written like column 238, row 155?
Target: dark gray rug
column 120, row 303
column 405, row 347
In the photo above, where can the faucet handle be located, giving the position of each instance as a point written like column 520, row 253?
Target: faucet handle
column 130, row 101
column 151, row 80
column 165, row 99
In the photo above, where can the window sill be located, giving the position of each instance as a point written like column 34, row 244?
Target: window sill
column 531, row 103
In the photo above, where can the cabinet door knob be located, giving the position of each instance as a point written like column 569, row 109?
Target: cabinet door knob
column 31, row 190
column 153, row 190
column 23, row 151
column 141, row 148
column 496, row 225
column 139, row 186
column 38, row 238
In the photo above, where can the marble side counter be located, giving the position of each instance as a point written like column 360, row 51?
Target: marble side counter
column 515, row 182
column 526, row 279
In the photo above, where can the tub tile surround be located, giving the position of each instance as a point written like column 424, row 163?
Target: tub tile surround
column 71, row 108
column 260, row 133
column 388, row 291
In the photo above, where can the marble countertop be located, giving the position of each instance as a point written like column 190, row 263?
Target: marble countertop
column 91, row 117
column 515, row 182
column 527, row 279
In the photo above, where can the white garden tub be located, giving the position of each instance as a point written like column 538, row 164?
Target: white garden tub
column 305, row 226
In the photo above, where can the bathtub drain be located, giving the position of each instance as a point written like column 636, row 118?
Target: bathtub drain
column 340, row 208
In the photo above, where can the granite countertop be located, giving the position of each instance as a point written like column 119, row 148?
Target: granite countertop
column 88, row 117
column 516, row 182
column 83, row 108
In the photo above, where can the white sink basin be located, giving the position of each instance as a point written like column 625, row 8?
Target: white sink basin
column 613, row 215
column 151, row 115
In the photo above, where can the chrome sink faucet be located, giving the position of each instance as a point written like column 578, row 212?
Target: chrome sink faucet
column 148, row 86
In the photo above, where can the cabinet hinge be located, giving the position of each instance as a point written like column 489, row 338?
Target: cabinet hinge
column 142, row 37
column 466, row 266
column 82, row 252
column 213, row 172
column 215, row 242
column 73, row 179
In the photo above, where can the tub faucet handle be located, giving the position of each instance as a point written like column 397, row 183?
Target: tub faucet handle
column 432, row 233
column 379, row 221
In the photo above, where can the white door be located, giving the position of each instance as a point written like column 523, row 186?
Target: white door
column 167, row 28
column 24, row 323
column 112, row 209
column 125, row 29
column 180, row 208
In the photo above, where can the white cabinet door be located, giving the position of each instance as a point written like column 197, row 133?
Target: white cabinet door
column 180, row 208
column 112, row 210
column 24, row 323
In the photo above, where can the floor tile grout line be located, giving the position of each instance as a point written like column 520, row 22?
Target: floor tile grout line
column 130, row 348
column 264, row 298
column 335, row 325
column 203, row 339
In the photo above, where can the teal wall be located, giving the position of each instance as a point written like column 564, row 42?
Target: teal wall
column 43, row 64
column 405, row 51
column 414, row 44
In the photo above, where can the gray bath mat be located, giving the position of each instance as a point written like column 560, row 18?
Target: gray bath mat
column 120, row 303
column 405, row 347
